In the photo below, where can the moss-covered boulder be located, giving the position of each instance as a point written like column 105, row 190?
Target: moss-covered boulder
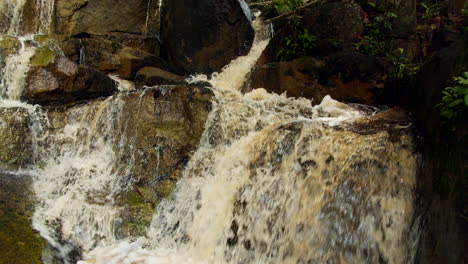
column 20, row 243
column 169, row 127
column 15, row 138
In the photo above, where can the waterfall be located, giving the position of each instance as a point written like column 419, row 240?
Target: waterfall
column 277, row 180
column 45, row 16
column 273, row 179
column 13, row 16
column 15, row 70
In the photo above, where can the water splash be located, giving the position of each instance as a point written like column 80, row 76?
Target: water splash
column 14, row 73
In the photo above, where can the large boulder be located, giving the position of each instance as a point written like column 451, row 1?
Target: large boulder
column 203, row 36
column 15, row 139
column 100, row 17
column 20, row 243
column 348, row 76
column 54, row 79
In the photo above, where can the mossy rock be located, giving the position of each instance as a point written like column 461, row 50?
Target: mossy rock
column 8, row 45
column 15, row 141
column 43, row 56
column 20, row 243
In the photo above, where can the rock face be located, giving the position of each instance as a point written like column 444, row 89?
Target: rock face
column 20, row 244
column 100, row 17
column 203, row 36
column 57, row 80
column 351, row 77
column 165, row 125
column 445, row 153
column 151, row 76
column 335, row 24
column 15, row 139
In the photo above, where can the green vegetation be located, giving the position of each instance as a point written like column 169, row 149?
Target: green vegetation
column 284, row 6
column 454, row 99
column 378, row 32
column 404, row 67
column 430, row 10
column 300, row 43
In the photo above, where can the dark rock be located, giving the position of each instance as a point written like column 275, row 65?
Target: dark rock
column 112, row 57
column 62, row 81
column 20, row 243
column 351, row 77
column 203, row 36
column 15, row 140
column 444, row 154
column 100, row 17
column 150, row 76
column 336, row 24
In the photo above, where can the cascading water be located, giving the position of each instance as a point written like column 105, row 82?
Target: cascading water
column 276, row 180
column 273, row 180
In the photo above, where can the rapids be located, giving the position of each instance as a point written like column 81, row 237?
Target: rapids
column 273, row 180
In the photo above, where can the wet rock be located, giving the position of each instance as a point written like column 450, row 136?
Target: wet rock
column 8, row 46
column 335, row 24
column 203, row 36
column 57, row 80
column 151, row 76
column 15, row 139
column 20, row 243
column 113, row 57
column 155, row 132
column 102, row 16
column 114, row 54
column 351, row 77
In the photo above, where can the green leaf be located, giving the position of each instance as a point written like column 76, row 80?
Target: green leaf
column 466, row 100
column 455, row 103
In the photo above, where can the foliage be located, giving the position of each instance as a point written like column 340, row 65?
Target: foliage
column 284, row 6
column 405, row 68
column 430, row 10
column 377, row 33
column 300, row 43
column 454, row 98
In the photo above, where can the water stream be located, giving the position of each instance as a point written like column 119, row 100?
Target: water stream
column 273, row 180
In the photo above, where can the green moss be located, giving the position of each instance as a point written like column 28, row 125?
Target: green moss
column 20, row 245
column 165, row 188
column 43, row 57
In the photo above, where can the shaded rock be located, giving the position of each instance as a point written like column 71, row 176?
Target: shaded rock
column 203, row 36
column 109, row 54
column 151, row 76
column 444, row 153
column 15, row 139
column 100, row 17
column 59, row 80
column 351, row 77
column 20, row 243
column 336, row 24
column 113, row 57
